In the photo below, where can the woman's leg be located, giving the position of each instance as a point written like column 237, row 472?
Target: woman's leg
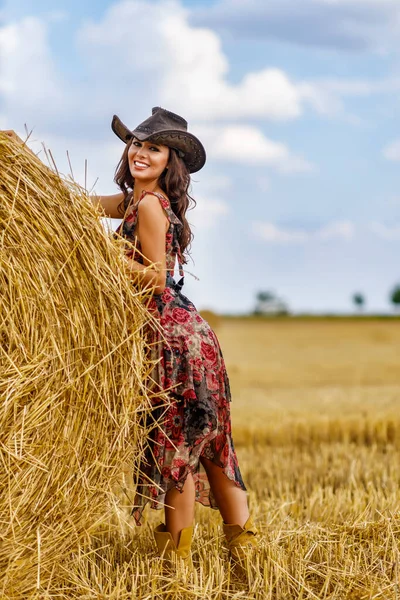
column 179, row 513
column 231, row 500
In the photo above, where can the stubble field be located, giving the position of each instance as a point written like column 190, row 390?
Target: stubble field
column 316, row 426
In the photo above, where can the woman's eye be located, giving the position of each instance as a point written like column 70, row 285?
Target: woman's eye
column 136, row 144
column 156, row 149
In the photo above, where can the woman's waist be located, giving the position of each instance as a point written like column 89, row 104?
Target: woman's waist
column 172, row 283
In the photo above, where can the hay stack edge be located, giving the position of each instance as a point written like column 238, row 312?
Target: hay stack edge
column 73, row 362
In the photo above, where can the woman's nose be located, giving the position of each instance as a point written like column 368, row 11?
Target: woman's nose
column 142, row 151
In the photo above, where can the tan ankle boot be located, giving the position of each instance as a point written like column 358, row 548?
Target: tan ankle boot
column 241, row 540
column 166, row 546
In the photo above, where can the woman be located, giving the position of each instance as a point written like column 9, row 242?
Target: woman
column 190, row 454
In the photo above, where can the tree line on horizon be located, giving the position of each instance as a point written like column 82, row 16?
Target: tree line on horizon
column 269, row 303
column 360, row 300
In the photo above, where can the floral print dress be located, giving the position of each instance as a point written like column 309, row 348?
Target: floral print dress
column 196, row 423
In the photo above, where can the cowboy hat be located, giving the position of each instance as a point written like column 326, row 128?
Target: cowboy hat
column 166, row 128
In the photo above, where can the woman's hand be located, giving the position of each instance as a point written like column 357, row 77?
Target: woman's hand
column 148, row 276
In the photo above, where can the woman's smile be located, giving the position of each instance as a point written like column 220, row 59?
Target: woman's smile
column 140, row 165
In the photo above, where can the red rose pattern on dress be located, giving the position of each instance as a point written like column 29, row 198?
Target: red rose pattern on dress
column 197, row 421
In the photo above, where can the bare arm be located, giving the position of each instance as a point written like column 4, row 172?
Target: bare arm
column 152, row 227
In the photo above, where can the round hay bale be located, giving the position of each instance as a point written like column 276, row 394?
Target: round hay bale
column 73, row 367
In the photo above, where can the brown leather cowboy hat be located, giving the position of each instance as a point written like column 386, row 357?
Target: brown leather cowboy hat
column 166, row 128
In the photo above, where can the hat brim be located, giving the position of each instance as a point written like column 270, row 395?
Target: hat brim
column 194, row 152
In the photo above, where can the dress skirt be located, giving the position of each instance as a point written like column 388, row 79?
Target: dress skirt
column 196, row 422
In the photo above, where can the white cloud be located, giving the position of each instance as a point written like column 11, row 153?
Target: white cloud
column 323, row 100
column 339, row 229
column 104, row 48
column 267, row 94
column 360, row 87
column 209, row 194
column 247, row 145
column 179, row 66
column 326, row 95
column 208, row 212
column 271, row 233
column 263, row 184
column 28, row 78
column 385, row 232
column 182, row 66
column 212, row 183
column 57, row 16
column 392, row 151
column 347, row 25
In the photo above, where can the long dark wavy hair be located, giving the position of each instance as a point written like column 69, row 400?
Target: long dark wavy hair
column 175, row 183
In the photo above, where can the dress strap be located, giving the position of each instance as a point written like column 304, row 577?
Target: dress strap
column 165, row 204
column 180, row 261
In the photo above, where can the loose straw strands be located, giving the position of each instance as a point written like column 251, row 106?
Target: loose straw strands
column 73, row 366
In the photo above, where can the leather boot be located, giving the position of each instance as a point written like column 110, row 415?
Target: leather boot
column 167, row 549
column 241, row 540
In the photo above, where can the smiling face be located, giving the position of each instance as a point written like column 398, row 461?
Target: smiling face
column 147, row 160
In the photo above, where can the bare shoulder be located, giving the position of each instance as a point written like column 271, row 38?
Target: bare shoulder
column 152, row 205
column 151, row 209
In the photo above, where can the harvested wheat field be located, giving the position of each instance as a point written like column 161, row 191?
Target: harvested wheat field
column 315, row 420
column 317, row 431
column 320, row 454
column 321, row 459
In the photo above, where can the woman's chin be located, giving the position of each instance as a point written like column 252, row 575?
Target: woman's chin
column 142, row 175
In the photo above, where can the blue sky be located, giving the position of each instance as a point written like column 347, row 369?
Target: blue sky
column 298, row 111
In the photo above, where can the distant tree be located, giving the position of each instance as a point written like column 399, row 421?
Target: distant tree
column 359, row 300
column 395, row 297
column 267, row 303
column 265, row 296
